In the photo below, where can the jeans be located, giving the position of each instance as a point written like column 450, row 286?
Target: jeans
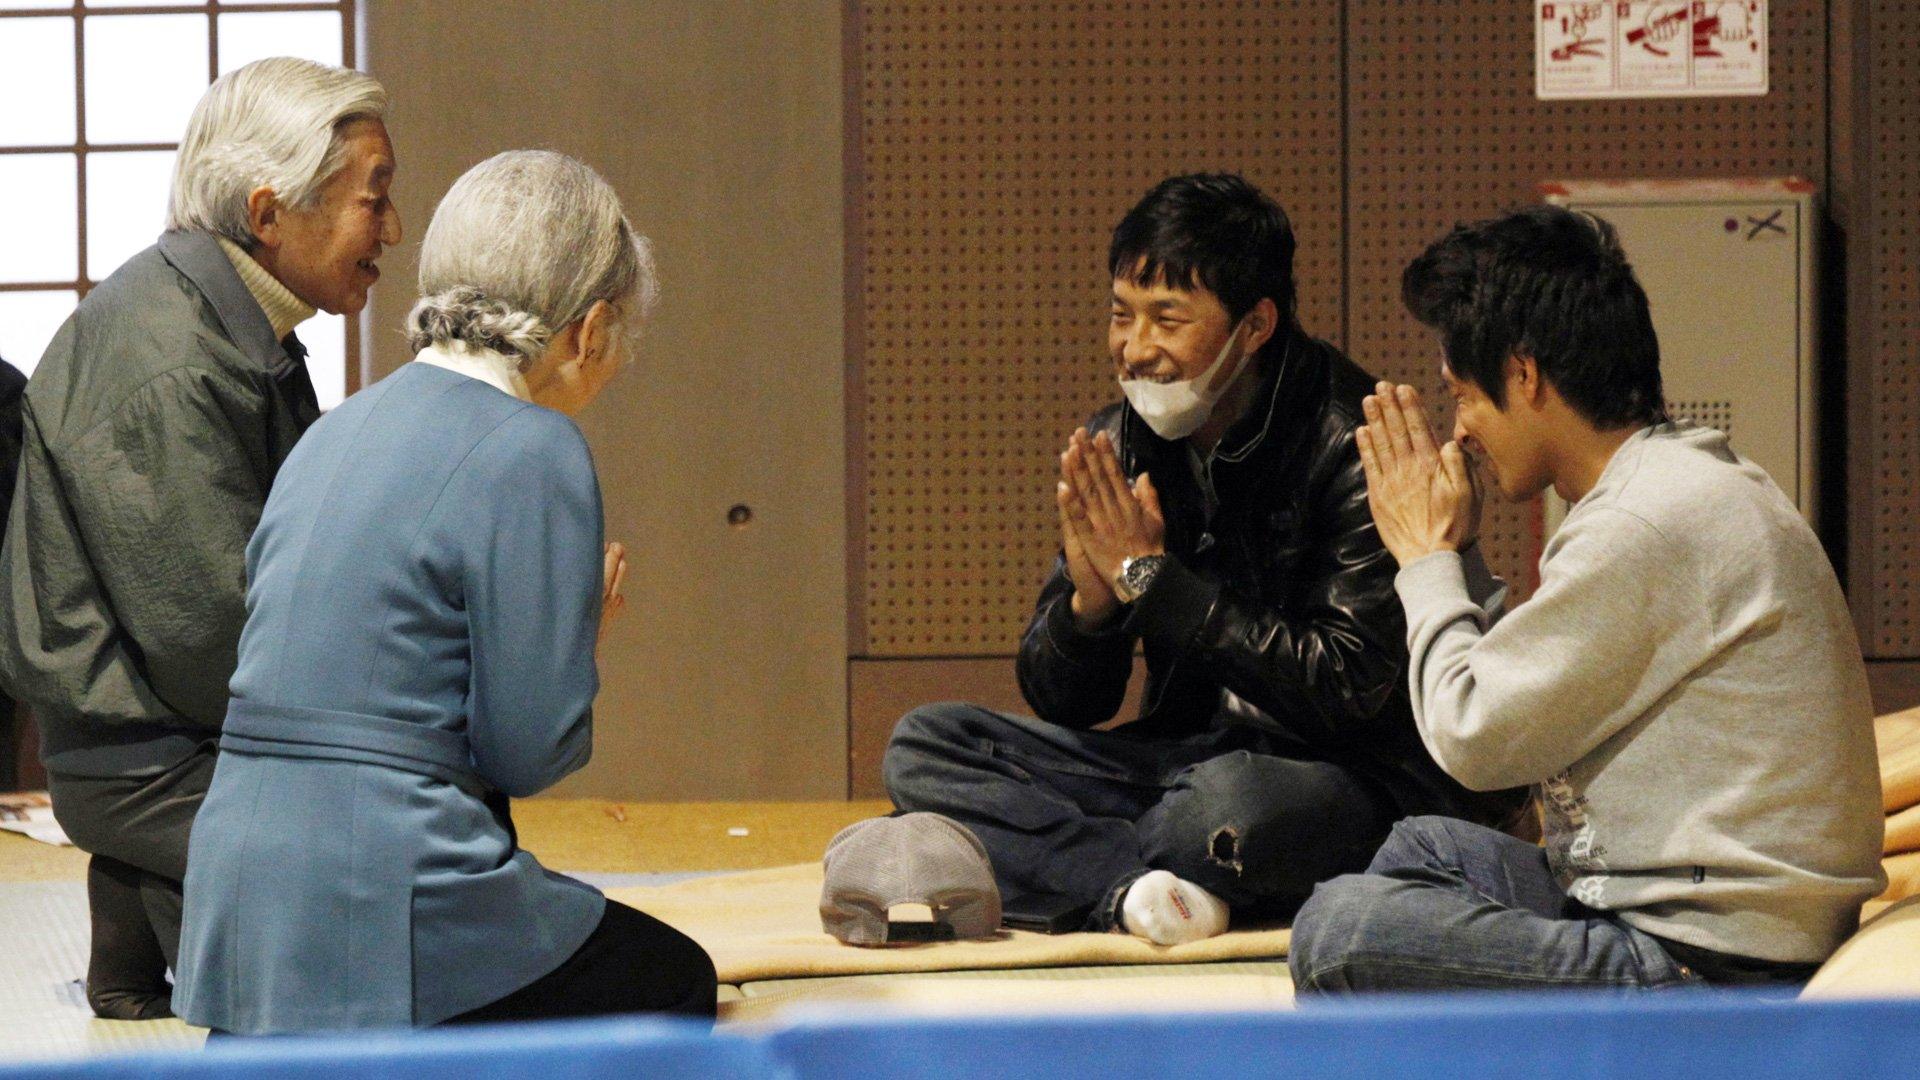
column 1084, row 814
column 1452, row 905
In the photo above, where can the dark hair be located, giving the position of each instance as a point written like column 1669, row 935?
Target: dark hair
column 1215, row 229
column 1552, row 284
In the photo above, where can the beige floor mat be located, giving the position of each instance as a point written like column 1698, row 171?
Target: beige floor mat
column 765, row 924
column 1158, row 988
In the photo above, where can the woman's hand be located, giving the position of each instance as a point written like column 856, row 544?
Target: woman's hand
column 614, row 568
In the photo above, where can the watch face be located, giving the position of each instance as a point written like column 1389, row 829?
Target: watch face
column 1138, row 575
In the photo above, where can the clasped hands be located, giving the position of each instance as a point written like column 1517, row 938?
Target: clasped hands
column 1423, row 498
column 1104, row 521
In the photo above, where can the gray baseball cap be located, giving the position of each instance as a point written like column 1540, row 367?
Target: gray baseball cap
column 917, row 858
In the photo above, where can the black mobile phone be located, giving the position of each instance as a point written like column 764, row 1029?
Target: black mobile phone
column 1045, row 913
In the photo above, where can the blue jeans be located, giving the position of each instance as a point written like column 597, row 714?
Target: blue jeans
column 1449, row 905
column 1084, row 814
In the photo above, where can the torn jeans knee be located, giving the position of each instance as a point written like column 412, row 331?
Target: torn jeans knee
column 1223, row 849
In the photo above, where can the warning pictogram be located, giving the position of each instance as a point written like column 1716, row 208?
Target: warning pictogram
column 1650, row 48
column 1730, row 46
column 1658, row 39
column 1576, row 40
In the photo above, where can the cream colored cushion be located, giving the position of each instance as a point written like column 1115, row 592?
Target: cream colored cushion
column 1882, row 960
column 1898, row 735
column 765, row 924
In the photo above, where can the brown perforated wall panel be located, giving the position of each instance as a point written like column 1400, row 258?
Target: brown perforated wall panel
column 1887, row 378
column 880, row 692
column 999, row 141
column 1714, row 414
column 1443, row 127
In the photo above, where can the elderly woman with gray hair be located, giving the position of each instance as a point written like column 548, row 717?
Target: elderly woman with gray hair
column 426, row 590
column 151, row 432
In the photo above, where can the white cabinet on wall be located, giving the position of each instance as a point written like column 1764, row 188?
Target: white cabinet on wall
column 1729, row 270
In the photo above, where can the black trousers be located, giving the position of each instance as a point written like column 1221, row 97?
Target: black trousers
column 137, row 829
column 631, row 963
column 1083, row 814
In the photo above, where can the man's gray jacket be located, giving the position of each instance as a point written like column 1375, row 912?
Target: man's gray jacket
column 152, row 430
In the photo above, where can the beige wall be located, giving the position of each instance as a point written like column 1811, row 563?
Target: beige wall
column 720, row 124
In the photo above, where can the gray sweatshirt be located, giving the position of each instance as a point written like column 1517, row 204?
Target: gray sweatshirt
column 1686, row 690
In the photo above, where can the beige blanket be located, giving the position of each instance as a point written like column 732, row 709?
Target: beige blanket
column 1052, row 991
column 1903, row 831
column 1882, row 960
column 1898, row 735
column 765, row 924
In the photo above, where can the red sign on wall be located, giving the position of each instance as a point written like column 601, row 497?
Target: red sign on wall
column 1650, row 48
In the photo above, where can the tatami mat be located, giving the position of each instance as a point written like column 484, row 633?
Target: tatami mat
column 604, row 882
column 43, row 907
column 607, row 837
column 43, row 923
column 43, row 1012
column 594, row 836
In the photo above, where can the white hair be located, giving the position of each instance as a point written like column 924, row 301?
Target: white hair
column 275, row 123
column 521, row 248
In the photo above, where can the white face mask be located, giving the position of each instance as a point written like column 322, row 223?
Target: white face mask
column 1176, row 410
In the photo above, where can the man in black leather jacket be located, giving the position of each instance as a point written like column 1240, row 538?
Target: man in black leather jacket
column 1218, row 518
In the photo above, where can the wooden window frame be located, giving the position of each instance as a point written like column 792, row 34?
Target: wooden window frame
column 84, row 280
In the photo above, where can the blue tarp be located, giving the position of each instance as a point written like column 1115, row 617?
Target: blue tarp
column 571, row 1050
column 1695, row 1036
column 1699, row 1036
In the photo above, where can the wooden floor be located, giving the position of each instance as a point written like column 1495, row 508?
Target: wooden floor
column 653, row 838
column 595, row 836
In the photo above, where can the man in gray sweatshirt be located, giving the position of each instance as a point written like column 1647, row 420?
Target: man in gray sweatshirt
column 1685, row 688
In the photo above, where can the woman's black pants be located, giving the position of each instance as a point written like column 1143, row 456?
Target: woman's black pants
column 631, row 963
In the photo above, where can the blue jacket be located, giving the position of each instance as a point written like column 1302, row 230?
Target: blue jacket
column 423, row 602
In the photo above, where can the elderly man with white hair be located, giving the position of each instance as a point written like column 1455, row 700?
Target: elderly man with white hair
column 153, row 428
column 427, row 588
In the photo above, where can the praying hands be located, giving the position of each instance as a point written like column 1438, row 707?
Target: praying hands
column 1104, row 521
column 1423, row 499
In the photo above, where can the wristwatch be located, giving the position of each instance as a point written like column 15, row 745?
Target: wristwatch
column 1136, row 576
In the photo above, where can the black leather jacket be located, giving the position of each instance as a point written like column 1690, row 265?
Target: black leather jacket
column 1286, row 599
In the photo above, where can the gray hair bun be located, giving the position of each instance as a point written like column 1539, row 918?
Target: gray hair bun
column 522, row 247
column 463, row 313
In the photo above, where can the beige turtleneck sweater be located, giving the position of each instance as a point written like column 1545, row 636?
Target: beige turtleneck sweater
column 284, row 310
column 500, row 372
